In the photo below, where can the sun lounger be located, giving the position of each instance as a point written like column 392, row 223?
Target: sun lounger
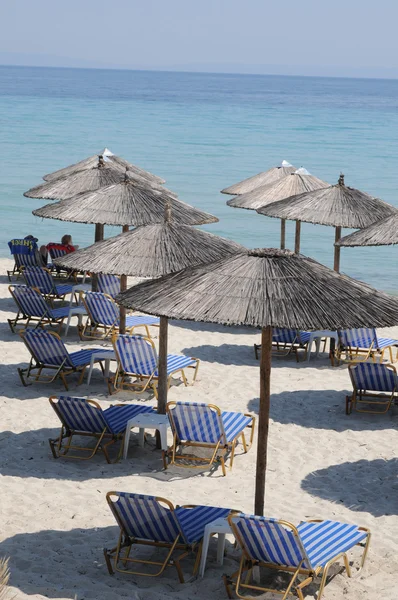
column 104, row 317
column 363, row 344
column 205, row 426
column 81, row 417
column 306, row 550
column 374, row 384
column 32, row 307
column 41, row 279
column 285, row 341
column 137, row 357
column 48, row 352
column 25, row 253
column 153, row 521
column 108, row 284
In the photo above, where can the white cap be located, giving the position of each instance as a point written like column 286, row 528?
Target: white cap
column 302, row 171
column 284, row 163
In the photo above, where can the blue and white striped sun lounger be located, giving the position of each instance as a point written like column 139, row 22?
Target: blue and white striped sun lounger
column 25, row 253
column 81, row 417
column 41, row 279
column 32, row 307
column 109, row 284
column 104, row 317
column 364, row 342
column 205, row 426
column 137, row 357
column 153, row 521
column 286, row 341
column 49, row 352
column 308, row 549
column 374, row 384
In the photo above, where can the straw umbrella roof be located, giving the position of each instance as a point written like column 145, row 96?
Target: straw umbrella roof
column 381, row 233
column 151, row 251
column 116, row 161
column 267, row 287
column 295, row 183
column 337, row 205
column 101, row 174
column 264, row 178
column 125, row 202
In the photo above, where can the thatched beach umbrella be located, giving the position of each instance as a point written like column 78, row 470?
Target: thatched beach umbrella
column 264, row 289
column 108, row 156
column 337, row 205
column 295, row 183
column 381, row 233
column 264, row 178
column 153, row 251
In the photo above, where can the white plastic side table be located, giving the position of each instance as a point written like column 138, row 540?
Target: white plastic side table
column 221, row 528
column 147, row 421
column 316, row 336
column 107, row 356
column 79, row 287
column 75, row 311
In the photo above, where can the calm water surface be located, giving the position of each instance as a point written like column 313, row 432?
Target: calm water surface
column 201, row 132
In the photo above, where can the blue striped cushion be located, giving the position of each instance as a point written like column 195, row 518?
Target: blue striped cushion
column 289, row 336
column 234, row 423
column 101, row 308
column 144, row 518
column 192, row 521
column 59, row 313
column 133, row 321
column 176, row 362
column 47, row 348
column 108, row 284
column 83, row 357
column 39, row 278
column 322, row 541
column 30, row 301
column 357, row 338
column 63, row 288
column 118, row 416
column 374, row 377
column 79, row 415
column 136, row 354
column 268, row 541
column 196, row 422
column 385, row 342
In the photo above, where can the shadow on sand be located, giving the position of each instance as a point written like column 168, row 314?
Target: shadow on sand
column 243, row 355
column 372, row 485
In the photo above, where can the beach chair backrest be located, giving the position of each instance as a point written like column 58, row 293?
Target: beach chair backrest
column 29, row 300
column 109, row 284
column 144, row 517
column 40, row 278
column 284, row 336
column 373, row 377
column 24, row 252
column 269, row 540
column 357, row 338
column 196, row 422
column 56, row 250
column 47, row 347
column 79, row 414
column 193, row 520
column 101, row 308
column 136, row 354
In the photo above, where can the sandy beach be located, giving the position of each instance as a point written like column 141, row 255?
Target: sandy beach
column 322, row 463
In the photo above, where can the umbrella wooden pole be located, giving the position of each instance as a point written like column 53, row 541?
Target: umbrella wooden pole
column 297, row 237
column 123, row 287
column 283, row 234
column 99, row 236
column 337, row 236
column 162, row 371
column 263, row 418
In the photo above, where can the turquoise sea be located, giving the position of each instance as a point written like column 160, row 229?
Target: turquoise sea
column 201, row 132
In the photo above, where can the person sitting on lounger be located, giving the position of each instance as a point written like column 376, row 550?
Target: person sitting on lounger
column 57, row 249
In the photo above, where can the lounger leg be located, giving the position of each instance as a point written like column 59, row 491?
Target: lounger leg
column 326, row 571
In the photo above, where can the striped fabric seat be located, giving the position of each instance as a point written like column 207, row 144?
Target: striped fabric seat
column 198, row 424
column 56, row 250
column 40, row 278
column 373, row 383
column 104, row 314
column 33, row 307
column 137, row 356
column 290, row 336
column 153, row 521
column 109, row 284
column 49, row 352
column 364, row 341
column 308, row 549
column 25, row 253
column 85, row 417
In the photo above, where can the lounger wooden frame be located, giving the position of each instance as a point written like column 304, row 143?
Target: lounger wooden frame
column 220, row 450
column 241, row 579
column 361, row 397
column 121, row 552
column 46, row 319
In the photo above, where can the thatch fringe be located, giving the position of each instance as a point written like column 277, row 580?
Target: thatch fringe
column 265, row 288
column 337, row 205
column 382, row 233
column 263, row 178
column 151, row 251
column 295, row 183
column 4, row 577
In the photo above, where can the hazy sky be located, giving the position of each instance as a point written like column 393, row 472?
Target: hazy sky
column 337, row 37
